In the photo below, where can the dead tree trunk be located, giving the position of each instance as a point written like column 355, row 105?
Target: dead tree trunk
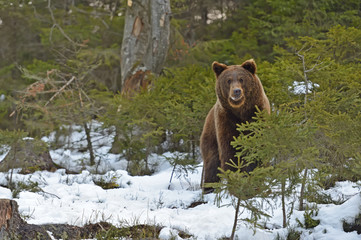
column 90, row 143
column 145, row 42
column 9, row 217
column 12, row 226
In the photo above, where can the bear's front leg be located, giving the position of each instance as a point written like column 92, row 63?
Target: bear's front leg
column 226, row 129
column 209, row 151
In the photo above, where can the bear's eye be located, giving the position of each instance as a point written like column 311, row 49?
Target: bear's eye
column 229, row 81
column 241, row 80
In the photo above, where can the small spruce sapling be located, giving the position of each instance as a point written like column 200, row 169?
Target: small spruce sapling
column 182, row 164
column 249, row 190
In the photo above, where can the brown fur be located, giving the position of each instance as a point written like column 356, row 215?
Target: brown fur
column 239, row 91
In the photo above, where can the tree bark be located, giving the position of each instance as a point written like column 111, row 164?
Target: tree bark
column 12, row 226
column 89, row 142
column 235, row 221
column 302, row 192
column 10, row 219
column 145, row 42
column 283, row 196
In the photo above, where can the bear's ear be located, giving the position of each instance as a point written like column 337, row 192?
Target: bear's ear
column 250, row 65
column 218, row 68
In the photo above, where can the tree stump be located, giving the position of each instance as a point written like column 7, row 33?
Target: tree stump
column 9, row 215
column 13, row 227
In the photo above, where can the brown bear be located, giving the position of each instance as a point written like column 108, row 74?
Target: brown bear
column 238, row 91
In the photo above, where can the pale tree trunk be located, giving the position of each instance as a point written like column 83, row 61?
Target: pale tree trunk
column 145, row 42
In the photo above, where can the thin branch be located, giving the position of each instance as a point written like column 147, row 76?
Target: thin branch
column 314, row 66
column 60, row 90
column 61, row 54
column 81, row 100
column 318, row 69
column 302, row 57
column 235, row 221
column 58, row 26
column 304, row 45
column 85, row 95
column 52, row 194
column 95, row 15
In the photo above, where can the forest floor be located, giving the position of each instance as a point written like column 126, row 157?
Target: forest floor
column 177, row 209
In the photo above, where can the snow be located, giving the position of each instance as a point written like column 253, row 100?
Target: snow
column 75, row 198
column 3, row 152
column 300, row 87
column 5, row 193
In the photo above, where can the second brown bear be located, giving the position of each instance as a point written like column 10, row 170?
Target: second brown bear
column 239, row 91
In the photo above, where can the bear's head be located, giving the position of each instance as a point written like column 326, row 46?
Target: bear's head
column 236, row 84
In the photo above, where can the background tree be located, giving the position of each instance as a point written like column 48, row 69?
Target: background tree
column 66, row 88
column 145, row 42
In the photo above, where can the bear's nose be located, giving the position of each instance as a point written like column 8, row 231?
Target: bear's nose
column 237, row 92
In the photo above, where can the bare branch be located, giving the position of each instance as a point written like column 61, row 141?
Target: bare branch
column 85, row 95
column 95, row 15
column 314, row 66
column 58, row 26
column 60, row 90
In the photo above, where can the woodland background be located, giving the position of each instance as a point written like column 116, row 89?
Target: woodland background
column 73, row 48
column 60, row 65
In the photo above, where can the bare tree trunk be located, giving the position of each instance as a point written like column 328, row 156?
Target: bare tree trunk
column 307, row 81
column 145, row 42
column 90, row 144
column 283, row 193
column 235, row 221
column 302, row 192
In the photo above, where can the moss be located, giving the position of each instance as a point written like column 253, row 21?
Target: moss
column 29, row 186
column 292, row 234
column 106, row 184
column 134, row 232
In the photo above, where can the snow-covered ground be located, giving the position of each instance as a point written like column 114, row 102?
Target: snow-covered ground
column 75, row 199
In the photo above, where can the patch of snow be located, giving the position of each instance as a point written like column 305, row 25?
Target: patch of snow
column 331, row 216
column 168, row 234
column 300, row 87
column 5, row 193
column 4, row 150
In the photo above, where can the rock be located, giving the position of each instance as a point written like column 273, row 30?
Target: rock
column 30, row 155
